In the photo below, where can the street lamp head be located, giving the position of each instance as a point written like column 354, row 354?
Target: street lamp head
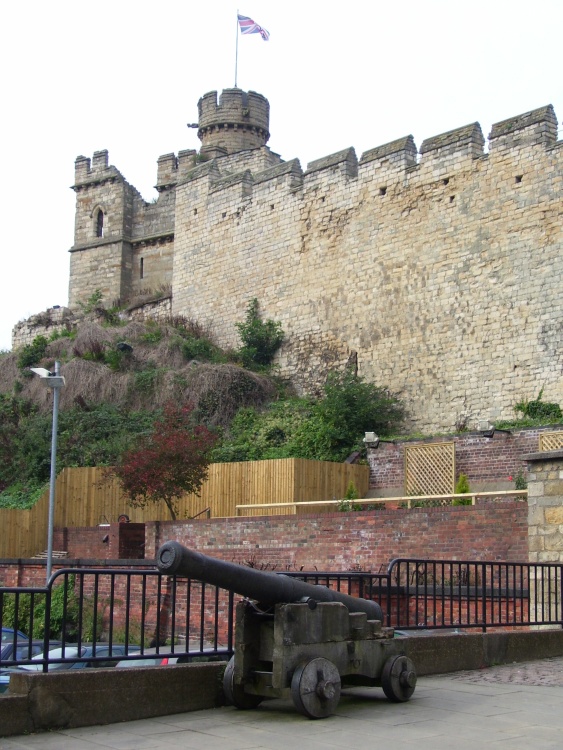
column 51, row 379
column 42, row 372
column 371, row 440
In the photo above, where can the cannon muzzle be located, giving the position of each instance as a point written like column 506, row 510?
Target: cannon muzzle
column 265, row 587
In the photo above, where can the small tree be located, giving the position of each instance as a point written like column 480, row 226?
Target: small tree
column 462, row 488
column 260, row 339
column 172, row 461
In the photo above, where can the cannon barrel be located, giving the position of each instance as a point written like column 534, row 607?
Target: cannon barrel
column 263, row 586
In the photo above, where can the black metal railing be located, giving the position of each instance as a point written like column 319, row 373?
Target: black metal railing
column 469, row 594
column 175, row 616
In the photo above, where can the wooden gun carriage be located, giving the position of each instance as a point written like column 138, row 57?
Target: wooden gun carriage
column 296, row 639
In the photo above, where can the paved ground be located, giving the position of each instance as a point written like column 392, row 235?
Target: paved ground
column 513, row 706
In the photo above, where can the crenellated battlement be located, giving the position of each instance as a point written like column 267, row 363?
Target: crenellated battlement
column 539, row 126
column 171, row 168
column 344, row 162
column 95, row 171
column 461, row 141
column 239, row 121
column 450, row 152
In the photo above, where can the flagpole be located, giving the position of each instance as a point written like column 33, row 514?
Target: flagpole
column 236, row 55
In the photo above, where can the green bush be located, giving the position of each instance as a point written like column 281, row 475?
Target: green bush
column 198, row 348
column 94, row 436
column 328, row 429
column 462, row 484
column 540, row 410
column 114, row 359
column 93, row 301
column 520, row 483
column 260, row 339
column 33, row 353
column 347, row 503
column 21, row 495
column 147, row 380
column 65, row 614
column 63, row 333
column 153, row 335
column 462, row 487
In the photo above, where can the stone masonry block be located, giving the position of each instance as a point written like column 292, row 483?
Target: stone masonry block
column 554, row 515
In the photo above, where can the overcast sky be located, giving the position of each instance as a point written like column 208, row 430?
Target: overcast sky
column 126, row 75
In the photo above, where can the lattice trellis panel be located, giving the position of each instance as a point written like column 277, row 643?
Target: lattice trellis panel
column 430, row 469
column 551, row 441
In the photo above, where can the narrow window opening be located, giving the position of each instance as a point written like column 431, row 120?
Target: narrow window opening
column 195, row 211
column 100, row 224
column 323, row 199
column 272, row 207
column 452, row 198
column 224, row 214
column 518, row 178
column 446, row 180
column 382, row 191
column 142, row 268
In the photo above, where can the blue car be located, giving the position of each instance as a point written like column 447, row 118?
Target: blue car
column 22, row 650
column 9, row 633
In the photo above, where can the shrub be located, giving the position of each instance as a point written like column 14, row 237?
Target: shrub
column 462, row 487
column 260, row 339
column 347, row 503
column 146, row 380
column 540, row 410
column 198, row 348
column 520, row 483
column 94, row 352
column 21, row 495
column 328, row 429
column 33, row 353
column 92, row 302
column 462, row 484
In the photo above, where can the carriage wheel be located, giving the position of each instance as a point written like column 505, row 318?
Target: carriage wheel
column 315, row 688
column 398, row 678
column 235, row 694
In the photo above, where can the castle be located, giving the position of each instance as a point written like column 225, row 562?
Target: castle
column 439, row 272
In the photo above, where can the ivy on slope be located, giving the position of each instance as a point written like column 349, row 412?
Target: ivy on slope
column 93, row 437
column 327, row 429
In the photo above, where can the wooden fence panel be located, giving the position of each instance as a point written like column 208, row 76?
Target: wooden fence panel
column 551, row 441
column 430, row 469
column 83, row 498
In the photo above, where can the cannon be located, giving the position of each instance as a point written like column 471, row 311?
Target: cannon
column 298, row 640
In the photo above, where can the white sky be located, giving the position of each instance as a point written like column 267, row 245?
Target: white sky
column 126, row 75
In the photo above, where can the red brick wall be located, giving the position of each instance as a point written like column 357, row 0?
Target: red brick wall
column 122, row 541
column 484, row 460
column 366, row 540
column 87, row 542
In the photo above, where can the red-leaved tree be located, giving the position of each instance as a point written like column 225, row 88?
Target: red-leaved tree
column 170, row 462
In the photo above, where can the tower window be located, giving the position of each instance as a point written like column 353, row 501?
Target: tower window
column 142, row 268
column 100, row 223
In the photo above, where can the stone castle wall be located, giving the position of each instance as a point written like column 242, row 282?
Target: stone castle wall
column 439, row 270
column 45, row 324
column 444, row 275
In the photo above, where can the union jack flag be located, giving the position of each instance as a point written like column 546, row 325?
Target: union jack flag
column 248, row 26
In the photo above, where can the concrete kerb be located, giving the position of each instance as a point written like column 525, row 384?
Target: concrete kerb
column 39, row 702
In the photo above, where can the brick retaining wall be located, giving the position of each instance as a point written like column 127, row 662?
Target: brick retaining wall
column 489, row 463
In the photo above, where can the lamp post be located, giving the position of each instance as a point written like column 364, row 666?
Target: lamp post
column 55, row 381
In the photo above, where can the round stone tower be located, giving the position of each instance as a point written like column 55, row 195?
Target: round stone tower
column 239, row 122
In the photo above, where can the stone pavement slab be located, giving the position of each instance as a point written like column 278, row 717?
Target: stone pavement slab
column 512, row 706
